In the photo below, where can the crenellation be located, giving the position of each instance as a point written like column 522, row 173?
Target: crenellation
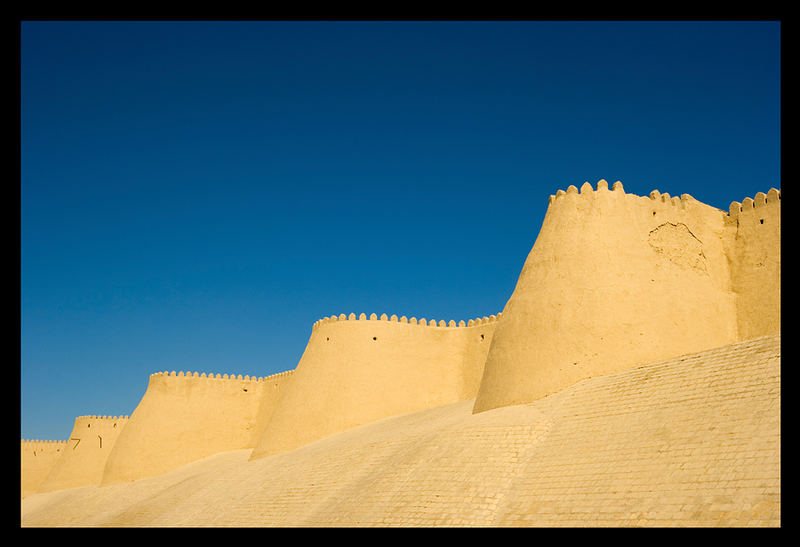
column 198, row 376
column 97, row 418
column 748, row 204
column 439, row 323
column 48, row 442
column 773, row 195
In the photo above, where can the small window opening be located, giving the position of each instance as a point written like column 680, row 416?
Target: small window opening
column 654, row 213
column 761, row 221
column 374, row 337
column 244, row 389
column 481, row 337
column 327, row 338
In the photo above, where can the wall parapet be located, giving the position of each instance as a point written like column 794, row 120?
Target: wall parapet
column 441, row 323
column 110, row 418
column 586, row 190
column 749, row 205
column 215, row 376
column 35, row 442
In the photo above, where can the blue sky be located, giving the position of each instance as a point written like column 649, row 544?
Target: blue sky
column 194, row 195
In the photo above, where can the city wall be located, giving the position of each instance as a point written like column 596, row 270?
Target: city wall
column 616, row 281
column 356, row 370
column 184, row 417
column 83, row 458
column 754, row 227
column 613, row 281
column 37, row 459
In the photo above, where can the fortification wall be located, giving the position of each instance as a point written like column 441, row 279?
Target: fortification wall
column 356, row 370
column 613, row 281
column 755, row 251
column 184, row 417
column 37, row 459
column 82, row 460
column 272, row 389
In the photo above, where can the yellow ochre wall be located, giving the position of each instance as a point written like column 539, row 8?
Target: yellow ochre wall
column 82, row 460
column 271, row 391
column 616, row 280
column 186, row 417
column 37, row 459
column 358, row 370
column 755, row 226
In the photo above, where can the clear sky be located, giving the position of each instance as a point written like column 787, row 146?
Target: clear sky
column 194, row 195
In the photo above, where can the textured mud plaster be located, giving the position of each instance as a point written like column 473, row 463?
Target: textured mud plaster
column 679, row 245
